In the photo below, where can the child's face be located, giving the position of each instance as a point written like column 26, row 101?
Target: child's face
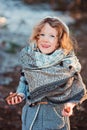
column 48, row 39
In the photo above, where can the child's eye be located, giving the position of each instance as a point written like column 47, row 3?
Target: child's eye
column 42, row 34
column 52, row 36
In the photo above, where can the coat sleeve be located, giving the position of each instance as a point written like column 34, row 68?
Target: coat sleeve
column 22, row 88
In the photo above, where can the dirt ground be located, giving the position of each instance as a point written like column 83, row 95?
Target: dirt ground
column 10, row 116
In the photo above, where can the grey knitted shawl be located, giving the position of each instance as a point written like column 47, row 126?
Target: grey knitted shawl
column 48, row 78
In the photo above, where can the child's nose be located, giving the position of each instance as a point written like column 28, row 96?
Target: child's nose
column 46, row 38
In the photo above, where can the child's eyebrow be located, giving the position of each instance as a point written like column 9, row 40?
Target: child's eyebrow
column 48, row 34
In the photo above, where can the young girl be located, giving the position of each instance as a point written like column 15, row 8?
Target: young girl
column 49, row 67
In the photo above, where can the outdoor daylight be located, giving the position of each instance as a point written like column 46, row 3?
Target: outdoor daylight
column 43, row 65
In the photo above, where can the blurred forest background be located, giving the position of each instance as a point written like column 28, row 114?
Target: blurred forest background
column 17, row 18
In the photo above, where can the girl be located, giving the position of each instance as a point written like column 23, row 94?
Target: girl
column 47, row 81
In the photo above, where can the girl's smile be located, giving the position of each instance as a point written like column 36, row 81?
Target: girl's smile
column 45, row 45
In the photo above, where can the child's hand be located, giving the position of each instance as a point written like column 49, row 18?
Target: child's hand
column 14, row 98
column 68, row 109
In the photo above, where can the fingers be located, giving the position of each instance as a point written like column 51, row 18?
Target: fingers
column 11, row 93
column 67, row 112
column 14, row 99
column 8, row 101
column 71, row 105
column 68, row 109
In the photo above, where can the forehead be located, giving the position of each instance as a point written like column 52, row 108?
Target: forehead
column 49, row 29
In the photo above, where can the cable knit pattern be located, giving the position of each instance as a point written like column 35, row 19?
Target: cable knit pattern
column 46, row 76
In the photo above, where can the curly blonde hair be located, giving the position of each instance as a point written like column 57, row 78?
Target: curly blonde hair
column 64, row 39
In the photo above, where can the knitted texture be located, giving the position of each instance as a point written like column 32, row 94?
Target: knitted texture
column 47, row 78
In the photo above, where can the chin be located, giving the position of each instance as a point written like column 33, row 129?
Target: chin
column 46, row 52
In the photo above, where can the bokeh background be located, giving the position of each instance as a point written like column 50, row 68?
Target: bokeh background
column 17, row 19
